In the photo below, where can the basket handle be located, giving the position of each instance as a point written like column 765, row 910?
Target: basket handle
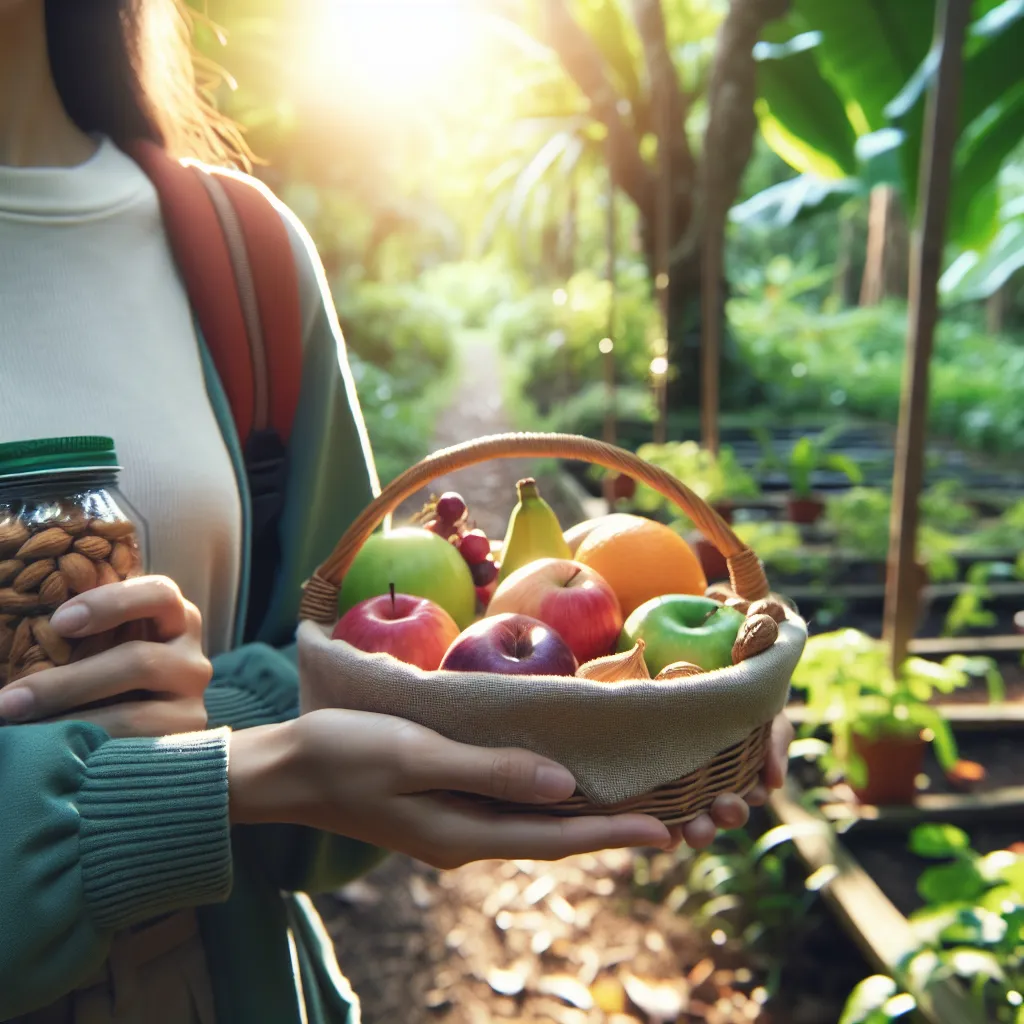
column 320, row 596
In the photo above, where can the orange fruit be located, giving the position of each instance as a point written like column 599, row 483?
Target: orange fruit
column 641, row 559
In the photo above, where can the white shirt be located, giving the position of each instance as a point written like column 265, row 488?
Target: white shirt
column 97, row 337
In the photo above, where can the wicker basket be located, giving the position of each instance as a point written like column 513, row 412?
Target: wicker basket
column 658, row 768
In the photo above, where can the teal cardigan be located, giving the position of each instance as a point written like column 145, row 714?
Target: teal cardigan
column 100, row 834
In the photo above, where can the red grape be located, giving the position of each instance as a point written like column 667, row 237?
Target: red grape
column 442, row 529
column 450, row 507
column 484, row 573
column 474, row 546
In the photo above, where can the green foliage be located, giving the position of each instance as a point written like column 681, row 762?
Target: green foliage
column 850, row 686
column 971, row 928
column 400, row 343
column 808, row 456
column 551, row 337
column 852, row 361
column 843, row 92
column 715, row 479
column 399, row 328
column 471, row 290
column 968, row 610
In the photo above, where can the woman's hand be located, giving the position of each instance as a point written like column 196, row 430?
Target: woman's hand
column 389, row 782
column 730, row 811
column 140, row 688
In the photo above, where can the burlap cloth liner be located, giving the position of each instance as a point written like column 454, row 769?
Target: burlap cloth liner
column 620, row 740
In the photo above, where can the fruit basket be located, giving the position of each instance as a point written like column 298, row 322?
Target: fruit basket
column 666, row 746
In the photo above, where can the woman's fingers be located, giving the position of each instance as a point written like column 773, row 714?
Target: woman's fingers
column 777, row 761
column 432, row 762
column 149, row 597
column 455, row 833
column 175, row 669
column 145, row 717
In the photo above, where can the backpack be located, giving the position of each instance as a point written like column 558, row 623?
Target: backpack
column 235, row 258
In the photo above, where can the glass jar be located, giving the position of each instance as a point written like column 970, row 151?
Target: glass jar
column 64, row 529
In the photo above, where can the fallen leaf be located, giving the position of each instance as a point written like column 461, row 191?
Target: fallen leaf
column 662, row 1002
column 609, row 995
column 568, row 989
column 965, row 774
column 508, row 982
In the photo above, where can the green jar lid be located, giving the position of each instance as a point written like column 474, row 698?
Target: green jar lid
column 56, row 454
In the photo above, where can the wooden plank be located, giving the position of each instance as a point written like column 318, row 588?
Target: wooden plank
column 940, row 131
column 866, row 912
column 943, row 645
column 995, row 717
column 929, row 807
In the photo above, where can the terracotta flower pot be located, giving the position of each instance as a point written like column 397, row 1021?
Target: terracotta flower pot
column 804, row 511
column 893, row 764
column 712, row 561
column 725, row 509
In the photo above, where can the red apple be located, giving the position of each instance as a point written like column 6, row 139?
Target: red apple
column 413, row 629
column 570, row 598
column 511, row 645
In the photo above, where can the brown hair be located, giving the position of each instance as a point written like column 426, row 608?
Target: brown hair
column 127, row 69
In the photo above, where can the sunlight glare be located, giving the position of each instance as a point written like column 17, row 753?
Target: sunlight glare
column 392, row 48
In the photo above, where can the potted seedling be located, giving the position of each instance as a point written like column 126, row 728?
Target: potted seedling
column 881, row 721
column 720, row 480
column 807, row 457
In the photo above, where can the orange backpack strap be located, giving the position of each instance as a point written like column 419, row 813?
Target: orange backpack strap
column 235, row 256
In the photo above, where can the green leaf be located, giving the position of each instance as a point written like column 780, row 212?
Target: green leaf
column 943, row 741
column 802, row 116
column 947, row 883
column 616, row 38
column 792, row 201
column 870, row 49
column 972, row 963
column 867, row 1000
column 939, row 841
column 845, row 465
column 977, row 275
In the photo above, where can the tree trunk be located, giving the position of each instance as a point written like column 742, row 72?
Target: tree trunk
column 888, row 250
column 995, row 309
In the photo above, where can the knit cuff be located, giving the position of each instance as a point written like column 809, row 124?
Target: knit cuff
column 154, row 833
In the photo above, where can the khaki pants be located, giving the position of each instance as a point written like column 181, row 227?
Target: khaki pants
column 156, row 974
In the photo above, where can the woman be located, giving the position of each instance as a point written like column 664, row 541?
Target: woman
column 140, row 876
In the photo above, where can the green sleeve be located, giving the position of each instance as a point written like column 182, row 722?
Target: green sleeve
column 98, row 835
column 257, row 685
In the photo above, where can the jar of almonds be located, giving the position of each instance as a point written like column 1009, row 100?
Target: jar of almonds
column 64, row 529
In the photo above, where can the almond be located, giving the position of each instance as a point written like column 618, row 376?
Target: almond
column 13, row 533
column 12, row 601
column 79, row 573
column 739, row 604
column 21, row 642
column 720, row 592
column 122, row 559
column 112, row 529
column 32, row 655
column 769, row 606
column 105, row 574
column 56, row 648
column 95, row 548
column 33, row 575
column 46, row 544
column 679, row 670
column 6, row 639
column 74, row 521
column 757, row 634
column 9, row 569
column 54, row 590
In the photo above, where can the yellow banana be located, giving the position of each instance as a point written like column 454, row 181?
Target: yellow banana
column 533, row 531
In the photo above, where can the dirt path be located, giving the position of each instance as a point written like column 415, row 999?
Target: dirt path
column 566, row 943
column 476, row 410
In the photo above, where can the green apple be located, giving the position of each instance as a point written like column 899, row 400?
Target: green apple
column 417, row 562
column 682, row 627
